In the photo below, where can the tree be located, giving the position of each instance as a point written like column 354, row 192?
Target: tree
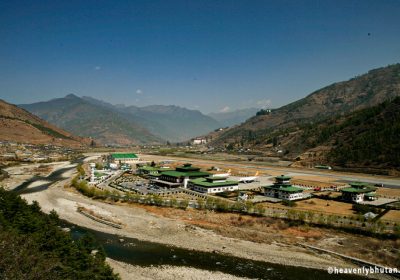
column 80, row 170
column 33, row 246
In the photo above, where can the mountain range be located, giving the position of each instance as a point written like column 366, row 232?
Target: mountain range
column 291, row 131
column 86, row 119
column 316, row 129
column 18, row 125
column 340, row 98
column 123, row 125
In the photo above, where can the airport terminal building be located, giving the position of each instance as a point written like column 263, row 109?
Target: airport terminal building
column 283, row 189
column 180, row 176
column 213, row 185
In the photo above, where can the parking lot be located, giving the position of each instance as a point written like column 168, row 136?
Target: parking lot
column 144, row 187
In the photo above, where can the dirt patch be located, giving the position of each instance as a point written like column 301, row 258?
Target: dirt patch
column 392, row 215
column 386, row 192
column 326, row 206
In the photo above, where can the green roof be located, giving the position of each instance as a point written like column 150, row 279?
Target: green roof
column 284, row 188
column 207, row 184
column 358, row 190
column 154, row 168
column 215, row 178
column 185, row 174
column 124, row 155
column 283, row 177
column 291, row 189
column 370, row 194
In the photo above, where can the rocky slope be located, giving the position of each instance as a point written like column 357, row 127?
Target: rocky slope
column 18, row 125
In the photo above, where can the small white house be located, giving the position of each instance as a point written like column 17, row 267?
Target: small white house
column 199, row 141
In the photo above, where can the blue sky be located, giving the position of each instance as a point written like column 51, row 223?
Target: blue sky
column 207, row 55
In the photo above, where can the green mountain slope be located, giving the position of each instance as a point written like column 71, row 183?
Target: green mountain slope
column 369, row 137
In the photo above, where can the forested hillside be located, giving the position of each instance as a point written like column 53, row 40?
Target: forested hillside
column 367, row 138
column 33, row 246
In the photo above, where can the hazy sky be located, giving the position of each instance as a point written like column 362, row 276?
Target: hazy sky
column 210, row 55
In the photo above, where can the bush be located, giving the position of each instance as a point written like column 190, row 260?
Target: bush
column 289, row 203
column 183, row 204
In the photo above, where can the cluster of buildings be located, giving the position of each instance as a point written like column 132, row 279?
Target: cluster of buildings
column 188, row 176
column 98, row 176
column 191, row 177
column 112, row 163
column 11, row 151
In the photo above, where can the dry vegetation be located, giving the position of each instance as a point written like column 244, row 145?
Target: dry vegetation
column 392, row 215
column 316, row 205
column 388, row 192
column 329, row 207
column 270, row 230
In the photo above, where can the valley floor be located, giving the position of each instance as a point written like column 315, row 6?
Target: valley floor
column 191, row 229
column 242, row 236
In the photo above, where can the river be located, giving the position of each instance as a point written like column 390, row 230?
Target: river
column 143, row 253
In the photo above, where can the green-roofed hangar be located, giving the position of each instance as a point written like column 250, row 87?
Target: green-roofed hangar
column 123, row 157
